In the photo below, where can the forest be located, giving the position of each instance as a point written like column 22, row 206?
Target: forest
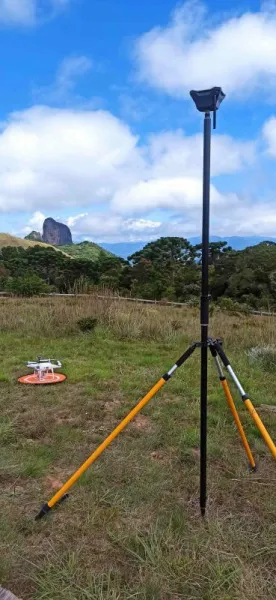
column 166, row 269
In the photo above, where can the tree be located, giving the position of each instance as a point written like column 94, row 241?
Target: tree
column 146, row 282
column 166, row 251
column 160, row 264
column 3, row 276
column 187, row 283
column 216, row 250
column 246, row 275
column 55, row 268
column 110, row 270
column 27, row 285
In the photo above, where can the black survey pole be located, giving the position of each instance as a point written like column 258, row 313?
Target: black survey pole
column 204, row 310
column 206, row 101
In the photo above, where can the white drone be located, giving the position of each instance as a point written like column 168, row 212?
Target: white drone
column 44, row 366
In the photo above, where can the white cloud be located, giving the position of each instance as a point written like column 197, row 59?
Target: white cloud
column 246, row 218
column 51, row 157
column 35, row 223
column 18, row 11
column 175, row 193
column 28, row 12
column 237, row 53
column 69, row 71
column 112, row 227
column 73, row 221
column 172, row 153
column 238, row 217
column 174, row 170
column 269, row 134
column 54, row 159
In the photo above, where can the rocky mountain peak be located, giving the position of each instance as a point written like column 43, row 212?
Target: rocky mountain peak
column 34, row 236
column 55, row 233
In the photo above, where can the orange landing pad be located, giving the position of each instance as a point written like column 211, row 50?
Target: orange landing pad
column 46, row 380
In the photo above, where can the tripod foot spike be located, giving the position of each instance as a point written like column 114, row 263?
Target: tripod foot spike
column 252, row 469
column 203, row 511
column 45, row 509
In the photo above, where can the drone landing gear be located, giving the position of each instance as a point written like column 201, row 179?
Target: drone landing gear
column 43, row 372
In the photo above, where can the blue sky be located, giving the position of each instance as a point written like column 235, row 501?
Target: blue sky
column 98, row 129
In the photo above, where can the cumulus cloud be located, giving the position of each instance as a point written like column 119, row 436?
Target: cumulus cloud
column 90, row 163
column 171, row 193
column 237, row 53
column 174, row 168
column 111, row 227
column 76, row 221
column 246, row 218
column 55, row 158
column 35, row 223
column 28, row 12
column 236, row 217
column 173, row 152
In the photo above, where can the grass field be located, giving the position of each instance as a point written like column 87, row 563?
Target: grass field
column 131, row 527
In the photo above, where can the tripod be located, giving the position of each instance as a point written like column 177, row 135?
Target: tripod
column 206, row 101
column 220, row 358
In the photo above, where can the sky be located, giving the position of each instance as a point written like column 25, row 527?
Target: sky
column 98, row 129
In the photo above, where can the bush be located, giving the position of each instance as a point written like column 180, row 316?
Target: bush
column 232, row 306
column 87, row 323
column 193, row 301
column 176, row 325
column 28, row 285
column 264, row 356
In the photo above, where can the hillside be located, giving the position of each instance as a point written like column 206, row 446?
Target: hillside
column 11, row 240
column 87, row 250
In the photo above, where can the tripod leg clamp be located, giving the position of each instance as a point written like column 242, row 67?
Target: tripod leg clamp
column 217, row 345
column 181, row 360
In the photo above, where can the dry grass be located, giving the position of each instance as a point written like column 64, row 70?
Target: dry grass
column 55, row 316
column 10, row 240
column 131, row 528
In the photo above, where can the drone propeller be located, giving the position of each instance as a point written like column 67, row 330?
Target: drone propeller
column 41, row 361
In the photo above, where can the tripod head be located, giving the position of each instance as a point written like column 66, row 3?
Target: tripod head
column 208, row 101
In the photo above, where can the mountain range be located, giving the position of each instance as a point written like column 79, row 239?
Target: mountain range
column 59, row 235
column 125, row 249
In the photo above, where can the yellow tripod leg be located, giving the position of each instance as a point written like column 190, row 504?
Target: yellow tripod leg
column 61, row 494
column 64, row 489
column 263, row 431
column 238, row 423
column 258, row 421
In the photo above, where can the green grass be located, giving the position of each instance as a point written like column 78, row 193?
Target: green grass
column 131, row 527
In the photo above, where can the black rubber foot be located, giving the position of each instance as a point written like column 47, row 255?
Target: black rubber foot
column 45, row 509
column 203, row 511
column 252, row 469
